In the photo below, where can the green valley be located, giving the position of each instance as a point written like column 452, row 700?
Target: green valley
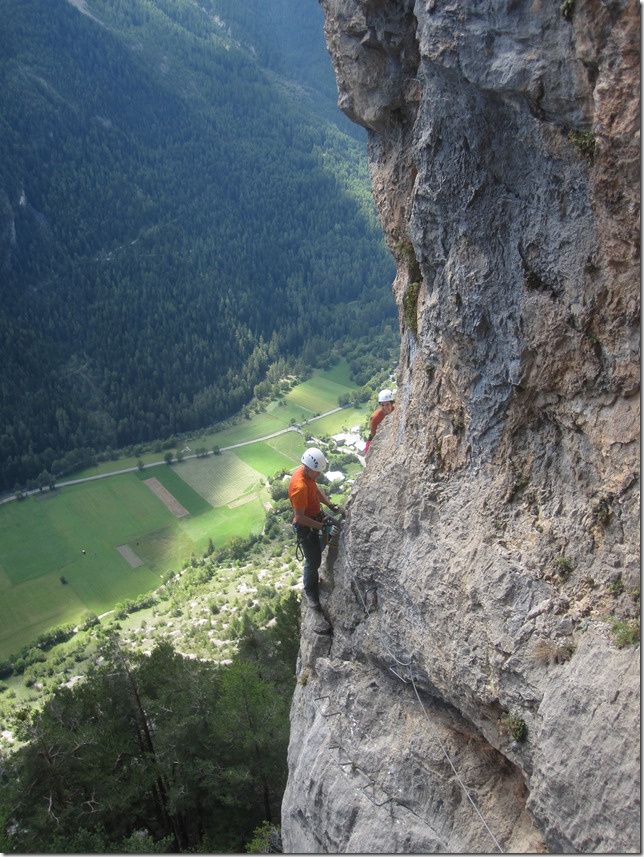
column 83, row 548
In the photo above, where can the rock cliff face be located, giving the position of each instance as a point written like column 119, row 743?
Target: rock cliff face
column 467, row 691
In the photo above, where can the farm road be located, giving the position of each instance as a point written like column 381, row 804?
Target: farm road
column 297, row 427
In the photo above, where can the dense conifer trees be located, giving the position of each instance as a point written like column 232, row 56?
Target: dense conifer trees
column 158, row 753
column 173, row 218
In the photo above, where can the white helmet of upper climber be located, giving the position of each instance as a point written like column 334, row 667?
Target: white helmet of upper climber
column 385, row 396
column 314, row 459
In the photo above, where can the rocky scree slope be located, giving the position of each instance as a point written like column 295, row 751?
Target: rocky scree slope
column 464, row 692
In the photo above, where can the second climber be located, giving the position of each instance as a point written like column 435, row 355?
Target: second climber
column 386, row 404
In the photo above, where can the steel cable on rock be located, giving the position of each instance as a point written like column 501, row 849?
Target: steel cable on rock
column 456, row 774
column 408, row 665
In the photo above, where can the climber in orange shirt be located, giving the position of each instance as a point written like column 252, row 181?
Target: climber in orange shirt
column 306, row 499
column 386, row 402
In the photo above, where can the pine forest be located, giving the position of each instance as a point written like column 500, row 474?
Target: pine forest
column 182, row 206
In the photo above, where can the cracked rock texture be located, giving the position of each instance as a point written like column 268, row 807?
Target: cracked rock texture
column 466, row 691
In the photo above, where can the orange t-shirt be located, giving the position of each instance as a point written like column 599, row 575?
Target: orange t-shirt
column 303, row 493
column 376, row 418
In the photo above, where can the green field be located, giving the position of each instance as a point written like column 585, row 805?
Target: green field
column 171, row 479
column 220, row 479
column 271, row 456
column 335, row 423
column 43, row 538
column 258, row 426
column 315, row 396
column 168, row 548
column 74, row 533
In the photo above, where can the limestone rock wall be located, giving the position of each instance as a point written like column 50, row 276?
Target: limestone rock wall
column 492, row 542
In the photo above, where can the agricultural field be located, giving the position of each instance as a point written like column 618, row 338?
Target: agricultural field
column 341, row 421
column 85, row 547
column 220, row 479
column 271, row 456
column 313, row 397
column 59, row 557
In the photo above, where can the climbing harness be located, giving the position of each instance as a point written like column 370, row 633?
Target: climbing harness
column 330, row 534
column 303, row 534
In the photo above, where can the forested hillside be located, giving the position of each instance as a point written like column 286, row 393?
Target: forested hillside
column 287, row 38
column 157, row 752
column 174, row 217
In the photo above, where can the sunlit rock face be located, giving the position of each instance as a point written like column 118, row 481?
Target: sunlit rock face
column 468, row 692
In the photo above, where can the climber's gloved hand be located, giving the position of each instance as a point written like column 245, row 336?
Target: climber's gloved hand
column 331, row 528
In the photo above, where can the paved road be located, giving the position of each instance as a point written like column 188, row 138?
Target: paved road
column 297, row 427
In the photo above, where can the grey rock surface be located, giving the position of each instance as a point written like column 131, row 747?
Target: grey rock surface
column 464, row 691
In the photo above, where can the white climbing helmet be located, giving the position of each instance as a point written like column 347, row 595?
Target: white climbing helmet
column 385, row 396
column 314, row 458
